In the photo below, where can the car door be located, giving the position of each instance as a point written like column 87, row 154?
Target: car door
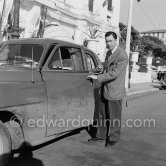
column 70, row 94
column 91, row 62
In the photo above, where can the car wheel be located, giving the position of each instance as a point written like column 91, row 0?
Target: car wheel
column 5, row 145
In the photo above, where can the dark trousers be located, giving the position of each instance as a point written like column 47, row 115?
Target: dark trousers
column 109, row 120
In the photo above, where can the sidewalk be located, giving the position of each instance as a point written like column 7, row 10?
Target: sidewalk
column 141, row 88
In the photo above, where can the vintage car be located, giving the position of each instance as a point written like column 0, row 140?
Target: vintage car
column 44, row 91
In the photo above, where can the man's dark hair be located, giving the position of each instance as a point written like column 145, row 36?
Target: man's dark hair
column 111, row 33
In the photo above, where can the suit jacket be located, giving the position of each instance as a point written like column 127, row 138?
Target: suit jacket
column 113, row 77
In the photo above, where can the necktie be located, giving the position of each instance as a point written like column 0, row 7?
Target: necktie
column 109, row 53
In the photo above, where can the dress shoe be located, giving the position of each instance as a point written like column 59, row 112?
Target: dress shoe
column 111, row 144
column 95, row 139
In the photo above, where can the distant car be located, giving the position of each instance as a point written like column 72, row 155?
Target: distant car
column 163, row 81
column 44, row 91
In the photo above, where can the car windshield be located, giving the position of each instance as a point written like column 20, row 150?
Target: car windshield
column 20, row 55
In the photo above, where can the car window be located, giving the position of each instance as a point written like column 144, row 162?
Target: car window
column 90, row 63
column 55, row 62
column 66, row 58
column 48, row 53
column 21, row 55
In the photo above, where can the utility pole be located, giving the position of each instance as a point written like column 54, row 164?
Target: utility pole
column 15, row 33
column 0, row 28
column 127, row 83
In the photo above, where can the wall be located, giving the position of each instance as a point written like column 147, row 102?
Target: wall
column 138, row 77
column 69, row 21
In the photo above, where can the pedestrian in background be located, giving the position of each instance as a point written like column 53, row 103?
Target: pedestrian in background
column 112, row 92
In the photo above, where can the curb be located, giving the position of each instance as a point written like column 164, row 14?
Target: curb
column 140, row 93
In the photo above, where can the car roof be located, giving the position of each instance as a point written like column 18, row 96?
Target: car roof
column 44, row 41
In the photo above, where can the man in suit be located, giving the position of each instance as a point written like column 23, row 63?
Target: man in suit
column 112, row 92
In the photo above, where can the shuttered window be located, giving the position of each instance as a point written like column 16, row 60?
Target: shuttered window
column 91, row 5
column 110, row 5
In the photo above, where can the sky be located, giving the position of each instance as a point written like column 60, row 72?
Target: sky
column 146, row 15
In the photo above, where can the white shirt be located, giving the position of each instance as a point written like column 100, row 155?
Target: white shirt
column 114, row 49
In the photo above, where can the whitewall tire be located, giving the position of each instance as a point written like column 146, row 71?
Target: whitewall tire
column 5, row 145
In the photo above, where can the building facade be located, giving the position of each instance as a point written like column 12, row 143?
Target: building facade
column 161, row 34
column 69, row 20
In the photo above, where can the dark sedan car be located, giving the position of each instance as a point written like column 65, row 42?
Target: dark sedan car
column 44, row 91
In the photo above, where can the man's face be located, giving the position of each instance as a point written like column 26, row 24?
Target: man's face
column 111, row 42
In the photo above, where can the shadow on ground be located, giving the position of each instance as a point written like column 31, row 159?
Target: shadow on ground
column 25, row 158
column 25, row 154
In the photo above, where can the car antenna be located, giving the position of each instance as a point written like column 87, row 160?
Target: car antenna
column 32, row 67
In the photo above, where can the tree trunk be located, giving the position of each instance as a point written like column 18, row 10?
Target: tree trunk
column 42, row 22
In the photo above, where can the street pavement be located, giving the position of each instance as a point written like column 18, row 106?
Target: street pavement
column 139, row 145
column 139, row 88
